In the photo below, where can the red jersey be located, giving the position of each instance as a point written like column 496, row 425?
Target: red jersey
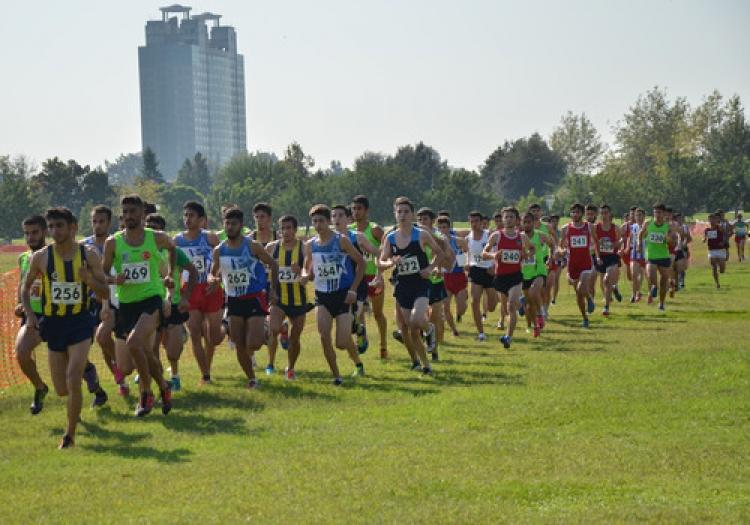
column 607, row 239
column 579, row 241
column 510, row 249
column 715, row 238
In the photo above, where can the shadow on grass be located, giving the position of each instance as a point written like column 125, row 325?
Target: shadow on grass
column 121, row 444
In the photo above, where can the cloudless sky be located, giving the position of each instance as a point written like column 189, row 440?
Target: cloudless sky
column 346, row 76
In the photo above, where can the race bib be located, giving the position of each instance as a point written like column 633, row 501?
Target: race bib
column 461, row 259
column 287, row 275
column 199, row 262
column 510, row 256
column 329, row 270
column 656, row 238
column 605, row 245
column 36, row 290
column 712, row 234
column 237, row 280
column 579, row 241
column 408, row 265
column 66, row 293
column 531, row 261
column 476, row 259
column 137, row 272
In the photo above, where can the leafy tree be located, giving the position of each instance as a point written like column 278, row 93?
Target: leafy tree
column 578, row 143
column 195, row 173
column 150, row 168
column 16, row 196
column 124, row 169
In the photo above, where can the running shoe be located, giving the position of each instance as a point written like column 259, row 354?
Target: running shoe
column 484, row 316
column 430, row 338
column 638, row 297
column 435, row 356
column 66, row 442
column 522, row 308
column 415, row 367
column 359, row 371
column 119, row 376
column 270, row 369
column 100, row 398
column 91, row 377
column 654, row 291
column 337, row 381
column 481, row 337
column 617, row 294
column 175, row 384
column 455, row 333
column 591, row 305
column 289, row 374
column 605, row 312
column 505, row 339
column 205, row 380
column 632, row 298
column 537, row 331
column 38, row 404
column 123, row 389
column 500, row 325
column 585, row 323
column 284, row 336
column 398, row 336
column 661, row 307
column 145, row 405
column 427, row 371
column 540, row 321
column 166, row 400
column 362, row 342
column 252, row 384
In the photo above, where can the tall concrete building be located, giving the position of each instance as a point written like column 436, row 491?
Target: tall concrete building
column 192, row 89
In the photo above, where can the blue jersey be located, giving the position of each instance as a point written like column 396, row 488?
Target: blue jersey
column 332, row 268
column 199, row 251
column 241, row 272
column 458, row 267
column 635, row 231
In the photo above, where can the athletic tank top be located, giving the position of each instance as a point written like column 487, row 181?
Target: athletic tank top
column 291, row 292
column 91, row 241
column 607, row 239
column 241, row 272
column 24, row 263
column 476, row 248
column 510, row 248
column 635, row 231
column 330, row 270
column 199, row 251
column 63, row 291
column 371, row 268
column 273, row 238
column 740, row 229
column 428, row 253
column 715, row 237
column 579, row 245
column 656, row 241
column 181, row 260
column 530, row 265
column 413, row 258
column 542, row 254
column 140, row 264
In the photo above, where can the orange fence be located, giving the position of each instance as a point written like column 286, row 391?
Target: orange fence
column 10, row 373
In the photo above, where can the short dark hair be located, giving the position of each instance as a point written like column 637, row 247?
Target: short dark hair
column 426, row 211
column 444, row 219
column 475, row 213
column 233, row 213
column 534, row 206
column 195, row 206
column 132, row 199
column 60, row 212
column 605, row 206
column 444, row 212
column 528, row 215
column 554, row 217
column 321, row 209
column 149, row 208
column 511, row 209
column 577, row 206
column 158, row 219
column 660, row 206
column 497, row 215
column 668, row 209
column 101, row 208
column 362, row 200
column 35, row 220
column 591, row 207
column 403, row 201
column 633, row 208
column 289, row 218
column 228, row 205
column 485, row 217
column 263, row 207
column 343, row 208
column 640, row 210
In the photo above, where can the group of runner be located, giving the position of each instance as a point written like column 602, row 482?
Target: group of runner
column 139, row 289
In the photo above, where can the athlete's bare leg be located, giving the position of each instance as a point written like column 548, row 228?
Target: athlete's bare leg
column 26, row 340
column 416, row 321
column 139, row 344
column 66, row 369
column 238, row 329
column 325, row 324
column 106, row 342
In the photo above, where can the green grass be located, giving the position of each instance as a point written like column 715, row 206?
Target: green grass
column 642, row 418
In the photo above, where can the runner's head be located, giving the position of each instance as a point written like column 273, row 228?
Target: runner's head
column 193, row 214
column 403, row 210
column 233, row 221
column 444, row 224
column 677, row 217
column 640, row 215
column 528, row 223
column 426, row 218
column 320, row 216
column 576, row 211
column 101, row 220
column 132, row 211
column 714, row 219
column 340, row 217
column 360, row 206
column 591, row 213
column 485, row 222
column 34, row 231
column 631, row 215
column 659, row 212
column 606, row 213
column 554, row 221
column 475, row 220
column 510, row 217
column 61, row 223
column 498, row 218
column 288, row 227
column 668, row 214
column 444, row 213
column 262, row 213
column 536, row 210
column 156, row 222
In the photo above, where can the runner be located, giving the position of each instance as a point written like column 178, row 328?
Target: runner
column 242, row 264
column 360, row 207
column 134, row 253
column 508, row 247
column 740, row 235
column 206, row 306
column 682, row 255
column 502, row 299
column 288, row 252
column 714, row 237
column 68, row 270
column 636, row 249
column 627, row 221
column 608, row 236
column 534, row 271
column 546, row 261
column 558, row 265
column 34, row 233
column 336, row 267
column 171, row 332
column 436, row 328
column 456, row 282
column 726, row 230
column 591, row 214
column 576, row 239
column 404, row 248
column 480, row 272
column 657, row 233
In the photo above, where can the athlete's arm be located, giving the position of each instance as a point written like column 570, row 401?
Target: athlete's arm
column 386, row 257
column 359, row 267
column 378, row 233
column 437, row 252
column 527, row 248
column 19, row 299
column 367, row 245
column 491, row 243
column 165, row 242
column 35, row 266
column 449, row 258
column 92, row 274
column 189, row 267
column 641, row 235
column 213, row 277
column 563, row 239
column 307, row 256
column 595, row 243
column 259, row 252
column 213, row 238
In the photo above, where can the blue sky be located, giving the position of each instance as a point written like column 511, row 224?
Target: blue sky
column 343, row 77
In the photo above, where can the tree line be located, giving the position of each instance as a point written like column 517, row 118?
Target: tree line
column 694, row 158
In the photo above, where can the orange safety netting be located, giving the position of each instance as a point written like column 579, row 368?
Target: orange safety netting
column 10, row 373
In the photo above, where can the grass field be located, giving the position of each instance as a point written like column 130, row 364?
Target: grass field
column 644, row 417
